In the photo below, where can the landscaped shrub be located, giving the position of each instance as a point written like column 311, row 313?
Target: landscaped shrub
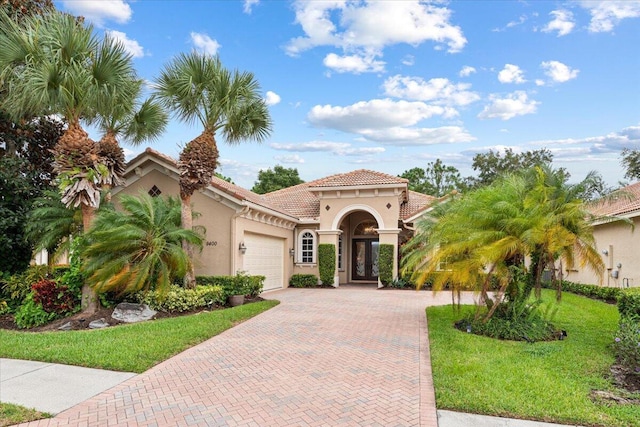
column 55, row 298
column 629, row 306
column 31, row 314
column 327, row 262
column 603, row 293
column 179, row 299
column 15, row 288
column 254, row 286
column 303, row 281
column 627, row 345
column 401, row 283
column 385, row 263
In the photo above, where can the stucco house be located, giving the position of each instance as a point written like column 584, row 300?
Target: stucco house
column 277, row 234
column 617, row 241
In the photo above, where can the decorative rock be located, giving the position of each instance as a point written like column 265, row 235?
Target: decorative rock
column 66, row 327
column 130, row 313
column 98, row 324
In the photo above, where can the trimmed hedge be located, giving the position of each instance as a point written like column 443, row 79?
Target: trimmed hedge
column 304, row 281
column 240, row 284
column 629, row 306
column 591, row 291
column 178, row 299
column 385, row 264
column 327, row 262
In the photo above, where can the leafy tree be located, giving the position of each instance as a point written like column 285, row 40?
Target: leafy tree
column 436, row 179
column 198, row 88
column 492, row 165
column 55, row 64
column 631, row 163
column 475, row 240
column 138, row 247
column 222, row 177
column 275, row 179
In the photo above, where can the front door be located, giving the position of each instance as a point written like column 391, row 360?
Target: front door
column 365, row 259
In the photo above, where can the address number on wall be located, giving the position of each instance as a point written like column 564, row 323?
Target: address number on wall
column 212, row 243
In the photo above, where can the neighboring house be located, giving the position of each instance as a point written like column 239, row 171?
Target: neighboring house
column 616, row 241
column 277, row 234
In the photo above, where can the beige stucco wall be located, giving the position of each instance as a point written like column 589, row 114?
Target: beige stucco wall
column 214, row 259
column 623, row 247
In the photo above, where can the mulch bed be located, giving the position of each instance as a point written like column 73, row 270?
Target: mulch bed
column 80, row 321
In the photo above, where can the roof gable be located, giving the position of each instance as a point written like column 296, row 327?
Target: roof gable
column 358, row 178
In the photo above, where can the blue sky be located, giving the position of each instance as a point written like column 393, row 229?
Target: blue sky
column 392, row 85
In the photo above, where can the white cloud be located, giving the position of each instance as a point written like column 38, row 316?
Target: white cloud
column 441, row 91
column 248, row 5
column 131, row 46
column 559, row 72
column 419, row 136
column 290, row 159
column 539, row 82
column 338, row 148
column 100, row 11
column 355, row 64
column 562, row 22
column 514, row 104
column 511, row 74
column 605, row 15
column 205, row 44
column 408, row 60
column 466, row 71
column 375, row 114
column 366, row 28
column 272, row 98
column 521, row 20
column 613, row 142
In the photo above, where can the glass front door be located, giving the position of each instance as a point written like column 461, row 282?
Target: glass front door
column 365, row 259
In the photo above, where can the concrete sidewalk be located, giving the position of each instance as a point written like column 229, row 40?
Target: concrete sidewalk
column 50, row 387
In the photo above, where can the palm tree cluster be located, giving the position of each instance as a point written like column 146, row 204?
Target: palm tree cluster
column 532, row 221
column 54, row 64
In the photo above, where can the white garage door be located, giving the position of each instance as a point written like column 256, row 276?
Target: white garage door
column 265, row 256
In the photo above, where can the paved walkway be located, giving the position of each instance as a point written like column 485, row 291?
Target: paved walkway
column 350, row 356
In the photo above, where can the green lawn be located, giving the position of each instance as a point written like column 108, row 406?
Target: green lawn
column 13, row 414
column 132, row 348
column 548, row 381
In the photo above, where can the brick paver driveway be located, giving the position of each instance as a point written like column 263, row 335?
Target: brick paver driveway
column 352, row 356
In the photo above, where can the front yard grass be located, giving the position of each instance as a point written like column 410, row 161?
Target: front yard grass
column 131, row 348
column 13, row 414
column 546, row 381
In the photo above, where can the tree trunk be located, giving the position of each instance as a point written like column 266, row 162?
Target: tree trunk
column 187, row 224
column 89, row 303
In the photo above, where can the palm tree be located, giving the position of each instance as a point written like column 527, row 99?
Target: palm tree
column 139, row 247
column 54, row 64
column 197, row 88
column 476, row 239
column 51, row 225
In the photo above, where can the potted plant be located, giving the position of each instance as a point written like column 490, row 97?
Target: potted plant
column 238, row 289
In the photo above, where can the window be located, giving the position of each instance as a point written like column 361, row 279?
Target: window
column 340, row 267
column 307, row 244
column 155, row 191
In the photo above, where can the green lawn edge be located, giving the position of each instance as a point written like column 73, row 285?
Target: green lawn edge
column 128, row 348
column 546, row 381
column 11, row 414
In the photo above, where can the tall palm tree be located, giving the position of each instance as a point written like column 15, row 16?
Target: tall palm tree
column 138, row 247
column 54, row 64
column 199, row 89
column 475, row 239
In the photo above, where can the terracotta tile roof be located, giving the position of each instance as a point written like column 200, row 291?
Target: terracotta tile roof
column 229, row 188
column 627, row 202
column 297, row 200
column 417, row 202
column 357, row 177
column 300, row 202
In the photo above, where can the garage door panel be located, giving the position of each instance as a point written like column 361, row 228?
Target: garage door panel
column 265, row 256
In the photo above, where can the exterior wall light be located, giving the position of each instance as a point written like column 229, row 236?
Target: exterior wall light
column 242, row 248
column 292, row 252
